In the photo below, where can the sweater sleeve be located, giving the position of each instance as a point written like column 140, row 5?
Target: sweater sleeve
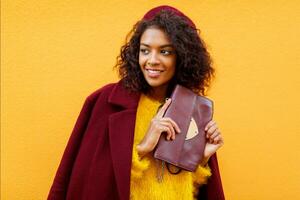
column 139, row 165
column 201, row 175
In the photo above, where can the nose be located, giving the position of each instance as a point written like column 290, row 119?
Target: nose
column 153, row 59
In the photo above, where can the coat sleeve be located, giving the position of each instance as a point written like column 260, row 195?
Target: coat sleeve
column 213, row 190
column 59, row 187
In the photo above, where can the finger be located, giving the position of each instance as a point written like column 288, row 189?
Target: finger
column 209, row 124
column 211, row 130
column 161, row 112
column 218, row 140
column 215, row 140
column 160, row 126
column 214, row 134
column 167, row 130
column 169, row 125
column 174, row 124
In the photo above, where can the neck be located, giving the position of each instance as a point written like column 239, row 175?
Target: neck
column 159, row 93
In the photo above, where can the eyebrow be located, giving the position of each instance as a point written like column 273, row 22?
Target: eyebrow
column 162, row 46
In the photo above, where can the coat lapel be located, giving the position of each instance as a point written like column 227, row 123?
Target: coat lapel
column 121, row 135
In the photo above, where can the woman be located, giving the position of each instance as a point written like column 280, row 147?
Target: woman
column 109, row 154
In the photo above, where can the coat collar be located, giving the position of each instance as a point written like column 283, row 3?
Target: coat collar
column 122, row 97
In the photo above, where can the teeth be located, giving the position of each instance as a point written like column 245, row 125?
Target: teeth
column 154, row 71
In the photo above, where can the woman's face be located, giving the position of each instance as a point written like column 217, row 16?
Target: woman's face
column 157, row 58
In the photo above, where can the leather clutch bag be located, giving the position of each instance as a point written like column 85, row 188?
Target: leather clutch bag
column 191, row 112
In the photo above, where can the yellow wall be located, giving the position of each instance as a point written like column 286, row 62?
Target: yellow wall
column 56, row 52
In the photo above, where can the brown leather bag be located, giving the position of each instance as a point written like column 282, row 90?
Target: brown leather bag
column 191, row 112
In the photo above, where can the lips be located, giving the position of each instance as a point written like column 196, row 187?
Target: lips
column 154, row 73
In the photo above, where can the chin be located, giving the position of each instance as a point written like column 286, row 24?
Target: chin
column 155, row 84
column 152, row 83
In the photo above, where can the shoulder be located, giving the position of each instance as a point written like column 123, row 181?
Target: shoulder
column 114, row 94
column 104, row 90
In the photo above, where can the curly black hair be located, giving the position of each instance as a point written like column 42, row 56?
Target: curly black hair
column 193, row 65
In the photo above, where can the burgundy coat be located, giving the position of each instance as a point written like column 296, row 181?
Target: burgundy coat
column 96, row 163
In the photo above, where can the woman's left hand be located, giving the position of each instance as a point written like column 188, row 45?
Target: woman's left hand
column 214, row 140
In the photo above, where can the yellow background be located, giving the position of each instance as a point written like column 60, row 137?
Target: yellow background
column 56, row 52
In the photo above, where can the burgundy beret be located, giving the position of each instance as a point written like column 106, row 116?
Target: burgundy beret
column 151, row 13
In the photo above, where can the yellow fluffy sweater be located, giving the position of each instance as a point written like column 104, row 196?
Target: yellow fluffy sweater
column 144, row 184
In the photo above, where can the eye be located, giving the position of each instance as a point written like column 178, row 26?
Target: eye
column 166, row 52
column 144, row 51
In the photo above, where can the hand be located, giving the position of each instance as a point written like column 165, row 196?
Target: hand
column 214, row 140
column 158, row 125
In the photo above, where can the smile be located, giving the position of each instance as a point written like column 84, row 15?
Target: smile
column 154, row 72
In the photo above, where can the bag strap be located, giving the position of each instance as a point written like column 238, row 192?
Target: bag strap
column 171, row 171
